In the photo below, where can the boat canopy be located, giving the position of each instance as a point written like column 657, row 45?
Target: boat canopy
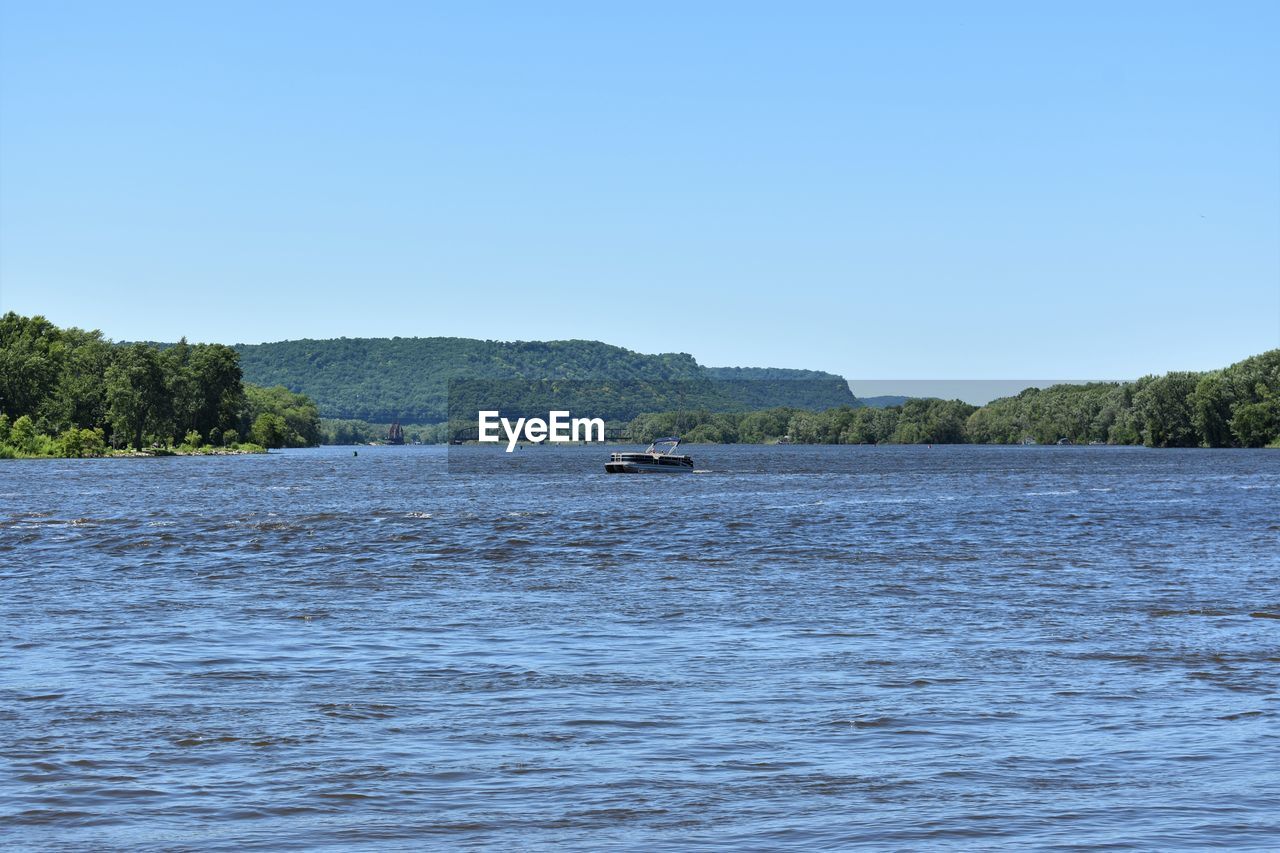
column 664, row 445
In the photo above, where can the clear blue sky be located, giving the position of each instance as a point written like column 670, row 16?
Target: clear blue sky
column 882, row 190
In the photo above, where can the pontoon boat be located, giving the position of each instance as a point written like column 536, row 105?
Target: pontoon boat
column 660, row 458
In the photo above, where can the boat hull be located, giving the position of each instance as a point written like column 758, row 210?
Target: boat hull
column 644, row 463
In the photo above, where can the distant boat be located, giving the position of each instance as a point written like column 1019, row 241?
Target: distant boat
column 659, row 458
column 395, row 435
column 1065, row 442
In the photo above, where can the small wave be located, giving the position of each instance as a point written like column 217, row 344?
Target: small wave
column 621, row 724
column 358, row 710
column 1241, row 715
column 866, row 722
column 40, row 817
column 916, row 682
column 273, row 525
column 1204, row 612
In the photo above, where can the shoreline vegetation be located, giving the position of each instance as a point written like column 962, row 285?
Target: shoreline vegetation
column 71, row 393
column 156, row 452
column 1237, row 406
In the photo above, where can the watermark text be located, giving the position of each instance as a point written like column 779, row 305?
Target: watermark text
column 559, row 427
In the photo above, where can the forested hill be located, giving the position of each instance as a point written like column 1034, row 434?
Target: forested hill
column 385, row 379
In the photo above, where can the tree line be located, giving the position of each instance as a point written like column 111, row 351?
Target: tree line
column 70, row 392
column 339, row 431
column 1237, row 406
column 917, row 421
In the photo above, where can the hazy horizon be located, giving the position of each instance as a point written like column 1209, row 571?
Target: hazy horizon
column 977, row 392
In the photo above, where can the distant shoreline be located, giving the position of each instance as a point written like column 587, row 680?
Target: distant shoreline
column 158, row 453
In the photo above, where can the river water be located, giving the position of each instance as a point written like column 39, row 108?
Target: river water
column 803, row 648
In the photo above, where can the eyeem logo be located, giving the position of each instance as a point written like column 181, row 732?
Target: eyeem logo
column 558, row 427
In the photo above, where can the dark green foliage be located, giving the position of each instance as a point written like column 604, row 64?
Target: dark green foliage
column 66, row 391
column 1238, row 406
column 1162, row 410
column 932, row 422
column 23, row 435
column 917, row 422
column 268, row 430
column 33, row 355
column 759, row 427
column 385, row 379
column 1252, row 392
column 205, row 388
column 221, row 393
column 349, row 432
column 137, row 399
column 1257, row 424
column 277, row 417
column 75, row 443
column 1222, row 408
column 360, row 432
column 872, row 426
column 1079, row 413
column 615, row 400
column 80, row 396
column 1211, row 410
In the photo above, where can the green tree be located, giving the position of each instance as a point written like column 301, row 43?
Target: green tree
column 137, row 398
column 93, row 442
column 183, row 391
column 806, row 428
column 1211, row 411
column 22, row 435
column 930, row 421
column 707, row 433
column 75, row 443
column 80, row 398
column 31, row 358
column 269, row 430
column 760, row 427
column 1257, row 424
column 298, row 414
column 1163, row 412
column 216, row 369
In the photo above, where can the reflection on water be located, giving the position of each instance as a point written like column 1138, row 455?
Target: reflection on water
column 806, row 647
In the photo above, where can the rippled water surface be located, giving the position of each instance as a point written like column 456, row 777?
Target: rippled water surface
column 805, row 648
